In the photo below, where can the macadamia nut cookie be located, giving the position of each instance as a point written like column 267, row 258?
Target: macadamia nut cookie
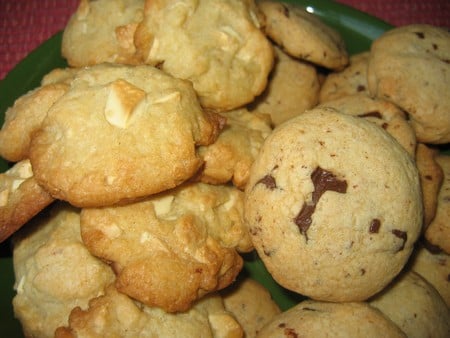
column 303, row 35
column 321, row 320
column 333, row 206
column 216, row 44
column 173, row 248
column 54, row 271
column 410, row 67
column 102, row 31
column 120, row 133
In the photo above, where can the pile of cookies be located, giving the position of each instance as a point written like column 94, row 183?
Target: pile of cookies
column 185, row 134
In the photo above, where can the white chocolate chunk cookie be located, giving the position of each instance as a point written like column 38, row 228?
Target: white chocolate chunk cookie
column 21, row 198
column 120, row 133
column 415, row 306
column 102, row 31
column 230, row 157
column 333, row 206
column 173, row 248
column 54, row 272
column 116, row 315
column 293, row 88
column 321, row 320
column 303, row 35
column 216, row 44
column 410, row 66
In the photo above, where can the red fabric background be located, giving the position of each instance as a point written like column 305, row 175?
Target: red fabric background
column 24, row 24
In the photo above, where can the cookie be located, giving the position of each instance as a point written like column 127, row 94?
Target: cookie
column 21, row 198
column 381, row 112
column 102, row 31
column 409, row 66
column 434, row 266
column 438, row 232
column 120, row 133
column 415, row 306
column 293, row 88
column 303, row 35
column 251, row 304
column 24, row 118
column 174, row 248
column 54, row 272
column 338, row 194
column 321, row 319
column 230, row 157
column 431, row 177
column 215, row 44
column 348, row 81
column 116, row 315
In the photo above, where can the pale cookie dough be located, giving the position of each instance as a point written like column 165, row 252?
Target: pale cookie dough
column 381, row 112
column 102, row 31
column 251, row 304
column 322, row 320
column 293, row 88
column 173, row 248
column 24, row 118
column 438, row 232
column 120, row 133
column 21, row 198
column 54, row 272
column 216, row 44
column 116, row 315
column 230, row 157
column 410, row 67
column 431, row 177
column 303, row 35
column 350, row 80
column 415, row 306
column 333, row 206
column 434, row 266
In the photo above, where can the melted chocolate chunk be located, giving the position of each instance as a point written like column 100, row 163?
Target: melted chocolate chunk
column 374, row 226
column 400, row 234
column 323, row 181
column 290, row 333
column 268, row 181
column 372, row 114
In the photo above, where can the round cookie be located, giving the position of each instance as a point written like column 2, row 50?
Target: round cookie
column 409, row 66
column 24, row 118
column 54, row 272
column 293, row 88
column 21, row 198
column 215, row 44
column 251, row 304
column 350, row 80
column 321, row 320
column 230, row 157
column 102, row 31
column 303, row 35
column 434, row 266
column 415, row 306
column 116, row 315
column 120, row 133
column 431, row 177
column 173, row 248
column 438, row 231
column 338, row 194
column 381, row 112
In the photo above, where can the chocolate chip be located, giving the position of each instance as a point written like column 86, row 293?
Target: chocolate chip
column 363, row 272
column 400, row 234
column 323, row 180
column 360, row 88
column 421, row 35
column 286, row 12
column 282, row 325
column 268, row 181
column 290, row 333
column 374, row 226
column 371, row 114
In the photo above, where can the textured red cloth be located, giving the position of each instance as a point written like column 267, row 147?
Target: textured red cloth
column 24, row 24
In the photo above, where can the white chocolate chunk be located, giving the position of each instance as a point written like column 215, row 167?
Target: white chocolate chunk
column 163, row 205
column 122, row 100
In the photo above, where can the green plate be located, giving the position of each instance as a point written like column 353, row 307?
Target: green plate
column 358, row 30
